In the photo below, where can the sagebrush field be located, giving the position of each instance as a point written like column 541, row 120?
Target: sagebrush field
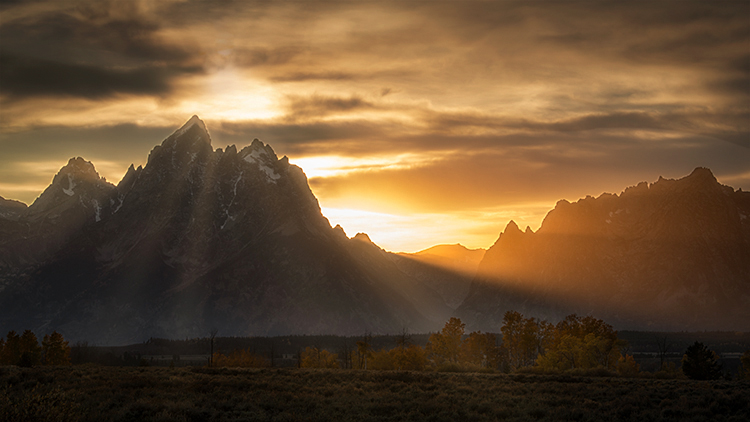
column 94, row 393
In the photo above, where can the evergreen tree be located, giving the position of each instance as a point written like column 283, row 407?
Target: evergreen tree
column 700, row 363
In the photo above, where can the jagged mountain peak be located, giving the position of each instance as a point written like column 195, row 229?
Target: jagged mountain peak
column 363, row 237
column 79, row 168
column 702, row 173
column 258, row 150
column 77, row 182
column 77, row 188
column 196, row 125
column 512, row 227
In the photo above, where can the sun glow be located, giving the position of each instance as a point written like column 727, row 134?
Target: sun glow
column 414, row 232
column 337, row 165
column 230, row 95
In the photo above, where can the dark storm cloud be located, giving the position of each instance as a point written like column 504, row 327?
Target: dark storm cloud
column 92, row 50
column 93, row 26
column 24, row 77
column 60, row 33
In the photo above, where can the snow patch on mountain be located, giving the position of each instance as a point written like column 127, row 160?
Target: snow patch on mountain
column 234, row 196
column 71, row 185
column 256, row 156
column 272, row 175
column 97, row 210
column 259, row 155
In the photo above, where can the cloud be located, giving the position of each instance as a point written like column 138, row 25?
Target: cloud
column 319, row 106
column 545, row 168
column 94, row 50
column 25, row 76
column 262, row 56
column 499, row 102
column 314, row 76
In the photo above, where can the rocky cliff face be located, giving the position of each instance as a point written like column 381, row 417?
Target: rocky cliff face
column 197, row 239
column 674, row 254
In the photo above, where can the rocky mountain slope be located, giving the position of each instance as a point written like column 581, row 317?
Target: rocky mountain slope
column 674, row 254
column 195, row 240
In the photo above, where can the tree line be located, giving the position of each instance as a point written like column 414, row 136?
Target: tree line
column 25, row 350
column 574, row 343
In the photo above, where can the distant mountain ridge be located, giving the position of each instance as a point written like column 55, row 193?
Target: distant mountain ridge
column 674, row 254
column 197, row 239
column 449, row 269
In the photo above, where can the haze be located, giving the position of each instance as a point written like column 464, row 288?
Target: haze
column 417, row 122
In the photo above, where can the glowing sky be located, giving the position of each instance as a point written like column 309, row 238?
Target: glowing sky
column 418, row 122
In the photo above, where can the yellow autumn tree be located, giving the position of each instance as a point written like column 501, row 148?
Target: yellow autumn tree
column 445, row 346
column 410, row 358
column 582, row 343
column 382, row 360
column 524, row 339
column 627, row 367
column 55, row 350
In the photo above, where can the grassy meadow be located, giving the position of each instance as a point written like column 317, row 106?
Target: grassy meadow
column 98, row 393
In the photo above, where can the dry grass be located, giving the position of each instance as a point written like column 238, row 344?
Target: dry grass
column 93, row 393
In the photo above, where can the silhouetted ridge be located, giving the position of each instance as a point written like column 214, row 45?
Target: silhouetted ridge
column 674, row 254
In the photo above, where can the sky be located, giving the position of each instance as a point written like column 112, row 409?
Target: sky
column 417, row 122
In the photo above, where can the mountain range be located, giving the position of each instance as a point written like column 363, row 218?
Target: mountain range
column 671, row 255
column 197, row 239
column 202, row 238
